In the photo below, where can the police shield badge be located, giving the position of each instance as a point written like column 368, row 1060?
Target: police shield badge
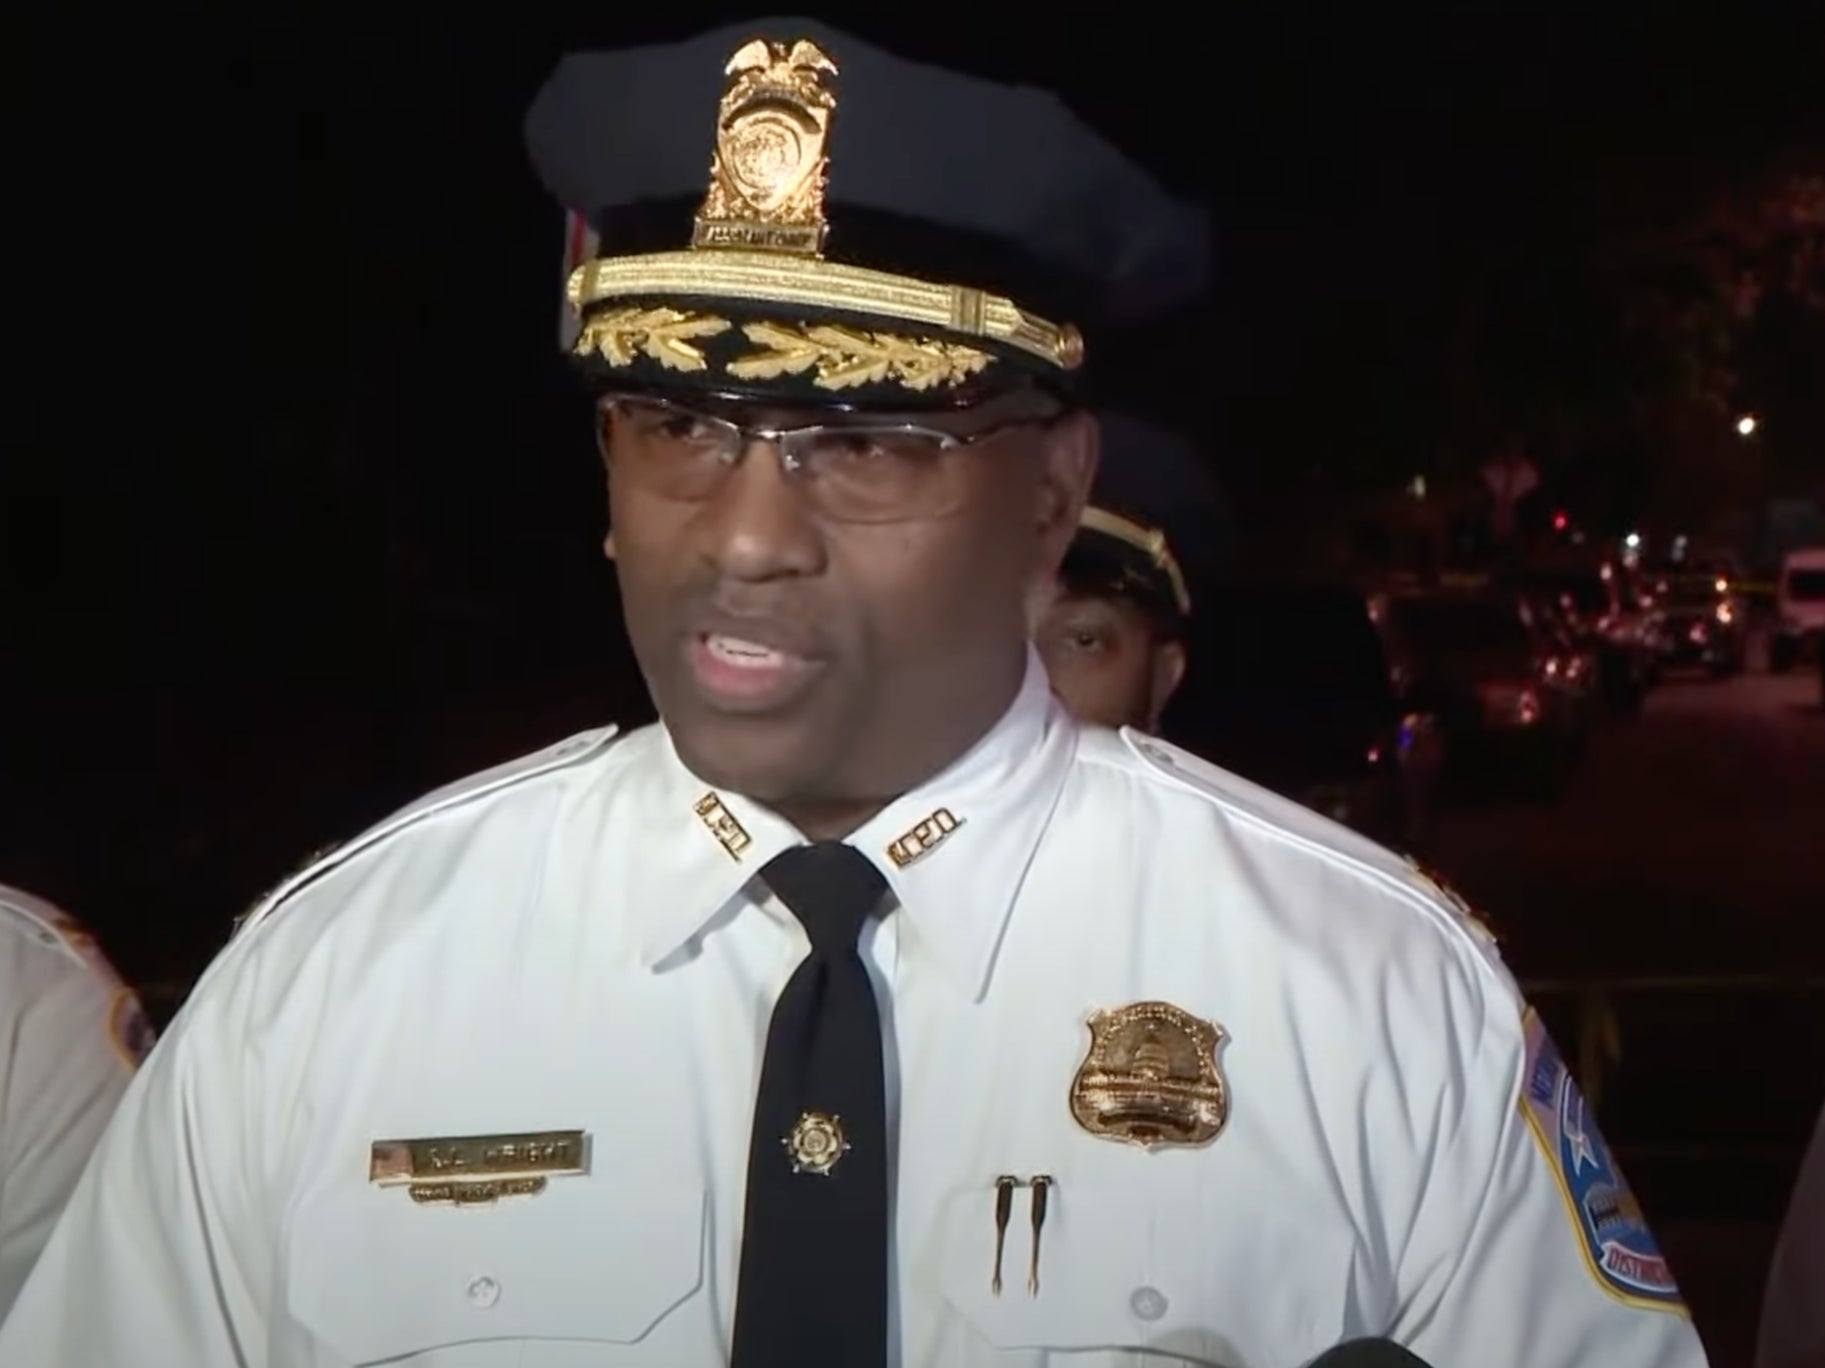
column 1151, row 1077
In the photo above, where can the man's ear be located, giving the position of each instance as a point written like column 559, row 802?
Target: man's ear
column 1072, row 448
column 1168, row 674
column 608, row 544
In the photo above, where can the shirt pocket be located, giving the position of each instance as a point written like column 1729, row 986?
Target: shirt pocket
column 1131, row 1276
column 549, row 1279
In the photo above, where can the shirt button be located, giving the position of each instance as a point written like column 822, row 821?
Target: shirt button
column 483, row 1292
column 1148, row 1303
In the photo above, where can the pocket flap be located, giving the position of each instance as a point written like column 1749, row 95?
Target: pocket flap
column 1127, row 1270
column 377, row 1276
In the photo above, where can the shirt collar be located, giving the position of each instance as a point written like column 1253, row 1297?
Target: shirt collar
column 954, row 851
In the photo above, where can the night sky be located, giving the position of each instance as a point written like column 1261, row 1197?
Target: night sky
column 303, row 516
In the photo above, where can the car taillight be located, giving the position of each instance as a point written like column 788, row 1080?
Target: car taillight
column 1505, row 703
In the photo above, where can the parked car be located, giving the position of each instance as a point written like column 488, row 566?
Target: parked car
column 1569, row 663
column 1601, row 610
column 1799, row 606
column 1471, row 658
column 1703, row 623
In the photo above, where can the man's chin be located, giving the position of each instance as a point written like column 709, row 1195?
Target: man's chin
column 760, row 757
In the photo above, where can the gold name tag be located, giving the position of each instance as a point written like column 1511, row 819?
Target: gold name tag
column 478, row 1168
column 475, row 1194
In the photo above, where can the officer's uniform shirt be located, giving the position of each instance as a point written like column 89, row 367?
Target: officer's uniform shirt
column 577, row 943
column 70, row 1036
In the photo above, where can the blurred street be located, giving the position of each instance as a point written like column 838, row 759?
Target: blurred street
column 1625, row 871
column 1664, row 914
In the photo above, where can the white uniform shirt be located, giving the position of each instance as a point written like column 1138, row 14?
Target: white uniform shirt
column 70, row 1035
column 576, row 943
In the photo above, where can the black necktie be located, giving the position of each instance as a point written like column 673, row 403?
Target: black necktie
column 813, row 1290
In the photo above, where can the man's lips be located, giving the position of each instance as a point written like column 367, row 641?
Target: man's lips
column 760, row 634
column 751, row 665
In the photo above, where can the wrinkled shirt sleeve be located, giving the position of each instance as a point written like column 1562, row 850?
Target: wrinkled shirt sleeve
column 1502, row 1269
column 61, row 1077
column 162, row 1254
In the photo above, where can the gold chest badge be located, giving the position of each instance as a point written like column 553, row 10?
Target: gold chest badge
column 1151, row 1077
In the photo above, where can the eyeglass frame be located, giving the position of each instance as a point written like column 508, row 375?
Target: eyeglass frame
column 780, row 437
column 784, row 440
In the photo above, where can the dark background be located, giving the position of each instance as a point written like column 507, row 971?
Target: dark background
column 299, row 511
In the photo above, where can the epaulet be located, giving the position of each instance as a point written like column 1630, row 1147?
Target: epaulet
column 574, row 750
column 54, row 929
column 1264, row 808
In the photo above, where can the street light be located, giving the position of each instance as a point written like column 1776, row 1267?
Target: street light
column 1745, row 425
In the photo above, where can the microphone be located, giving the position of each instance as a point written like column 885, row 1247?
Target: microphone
column 1367, row 1353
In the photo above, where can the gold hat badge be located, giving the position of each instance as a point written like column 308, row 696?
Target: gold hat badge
column 1151, row 1077
column 758, row 240
column 767, row 180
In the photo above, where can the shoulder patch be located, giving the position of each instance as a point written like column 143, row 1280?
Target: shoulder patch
column 571, row 751
column 1606, row 1219
column 129, row 1029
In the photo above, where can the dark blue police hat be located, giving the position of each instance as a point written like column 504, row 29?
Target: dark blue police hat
column 970, row 226
column 1157, row 526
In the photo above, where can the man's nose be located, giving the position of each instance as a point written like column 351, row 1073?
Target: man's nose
column 758, row 526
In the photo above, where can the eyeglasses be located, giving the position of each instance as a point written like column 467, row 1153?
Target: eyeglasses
column 860, row 471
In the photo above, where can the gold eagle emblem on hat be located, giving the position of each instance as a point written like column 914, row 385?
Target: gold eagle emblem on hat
column 1151, row 1077
column 768, row 174
column 756, row 269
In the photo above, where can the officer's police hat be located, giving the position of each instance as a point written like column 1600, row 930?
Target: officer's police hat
column 1156, row 526
column 787, row 213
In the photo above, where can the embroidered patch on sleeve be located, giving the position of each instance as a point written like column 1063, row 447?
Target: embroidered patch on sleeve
column 129, row 1028
column 1617, row 1243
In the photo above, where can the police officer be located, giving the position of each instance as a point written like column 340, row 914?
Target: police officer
column 867, row 1010
column 70, row 1037
column 1112, row 633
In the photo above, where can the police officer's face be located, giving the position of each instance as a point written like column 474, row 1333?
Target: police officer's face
column 1106, row 662
column 826, row 637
